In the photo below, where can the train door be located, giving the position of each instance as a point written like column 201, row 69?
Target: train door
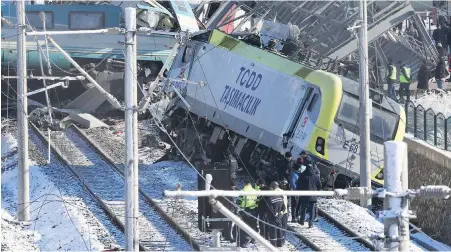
column 302, row 124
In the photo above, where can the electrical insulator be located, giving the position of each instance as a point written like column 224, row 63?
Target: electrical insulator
column 443, row 192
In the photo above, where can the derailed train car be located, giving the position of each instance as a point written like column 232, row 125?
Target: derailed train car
column 261, row 105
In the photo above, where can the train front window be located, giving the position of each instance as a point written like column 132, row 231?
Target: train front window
column 382, row 125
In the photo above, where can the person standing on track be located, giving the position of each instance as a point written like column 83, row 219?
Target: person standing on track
column 308, row 181
column 261, row 207
column 294, row 176
column 284, row 218
column 247, row 204
column 274, row 214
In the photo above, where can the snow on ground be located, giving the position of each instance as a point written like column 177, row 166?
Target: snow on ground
column 438, row 102
column 360, row 220
column 14, row 237
column 8, row 144
column 61, row 213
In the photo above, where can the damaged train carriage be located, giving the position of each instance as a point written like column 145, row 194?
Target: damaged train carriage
column 265, row 104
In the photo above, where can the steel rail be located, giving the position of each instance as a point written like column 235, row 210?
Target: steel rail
column 68, row 165
column 188, row 238
column 346, row 229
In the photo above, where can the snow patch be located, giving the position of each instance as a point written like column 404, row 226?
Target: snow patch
column 14, row 237
column 437, row 102
column 8, row 143
column 56, row 222
column 356, row 218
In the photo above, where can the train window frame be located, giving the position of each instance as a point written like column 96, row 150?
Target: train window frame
column 47, row 27
column 103, row 19
column 354, row 127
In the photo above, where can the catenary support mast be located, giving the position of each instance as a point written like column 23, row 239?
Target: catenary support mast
column 131, row 144
column 22, row 114
column 365, row 165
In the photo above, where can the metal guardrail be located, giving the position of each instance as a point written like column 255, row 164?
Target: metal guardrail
column 428, row 126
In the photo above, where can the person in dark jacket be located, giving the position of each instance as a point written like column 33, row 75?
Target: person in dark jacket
column 294, row 176
column 274, row 214
column 423, row 79
column 308, row 181
column 262, row 209
column 441, row 72
column 439, row 36
column 283, row 166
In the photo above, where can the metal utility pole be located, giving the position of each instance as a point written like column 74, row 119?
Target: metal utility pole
column 365, row 164
column 22, row 116
column 131, row 132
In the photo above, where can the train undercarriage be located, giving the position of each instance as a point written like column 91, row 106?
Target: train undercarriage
column 201, row 140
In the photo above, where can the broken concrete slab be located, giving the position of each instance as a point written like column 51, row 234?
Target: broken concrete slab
column 92, row 98
column 86, row 120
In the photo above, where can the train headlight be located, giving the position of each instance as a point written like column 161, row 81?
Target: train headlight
column 320, row 145
column 380, row 175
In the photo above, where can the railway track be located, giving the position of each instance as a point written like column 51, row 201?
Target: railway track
column 103, row 182
column 327, row 236
column 152, row 184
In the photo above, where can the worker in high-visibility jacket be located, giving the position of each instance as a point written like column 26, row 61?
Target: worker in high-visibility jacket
column 283, row 185
column 391, row 79
column 249, row 205
column 404, row 82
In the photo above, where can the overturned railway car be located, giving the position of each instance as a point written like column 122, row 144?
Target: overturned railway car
column 259, row 104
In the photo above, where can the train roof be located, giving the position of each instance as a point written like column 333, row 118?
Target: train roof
column 270, row 59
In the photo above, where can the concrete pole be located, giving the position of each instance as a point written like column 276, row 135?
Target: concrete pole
column 365, row 164
column 393, row 159
column 404, row 226
column 131, row 148
column 22, row 116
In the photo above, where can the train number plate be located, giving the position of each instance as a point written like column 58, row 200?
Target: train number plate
column 352, row 146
